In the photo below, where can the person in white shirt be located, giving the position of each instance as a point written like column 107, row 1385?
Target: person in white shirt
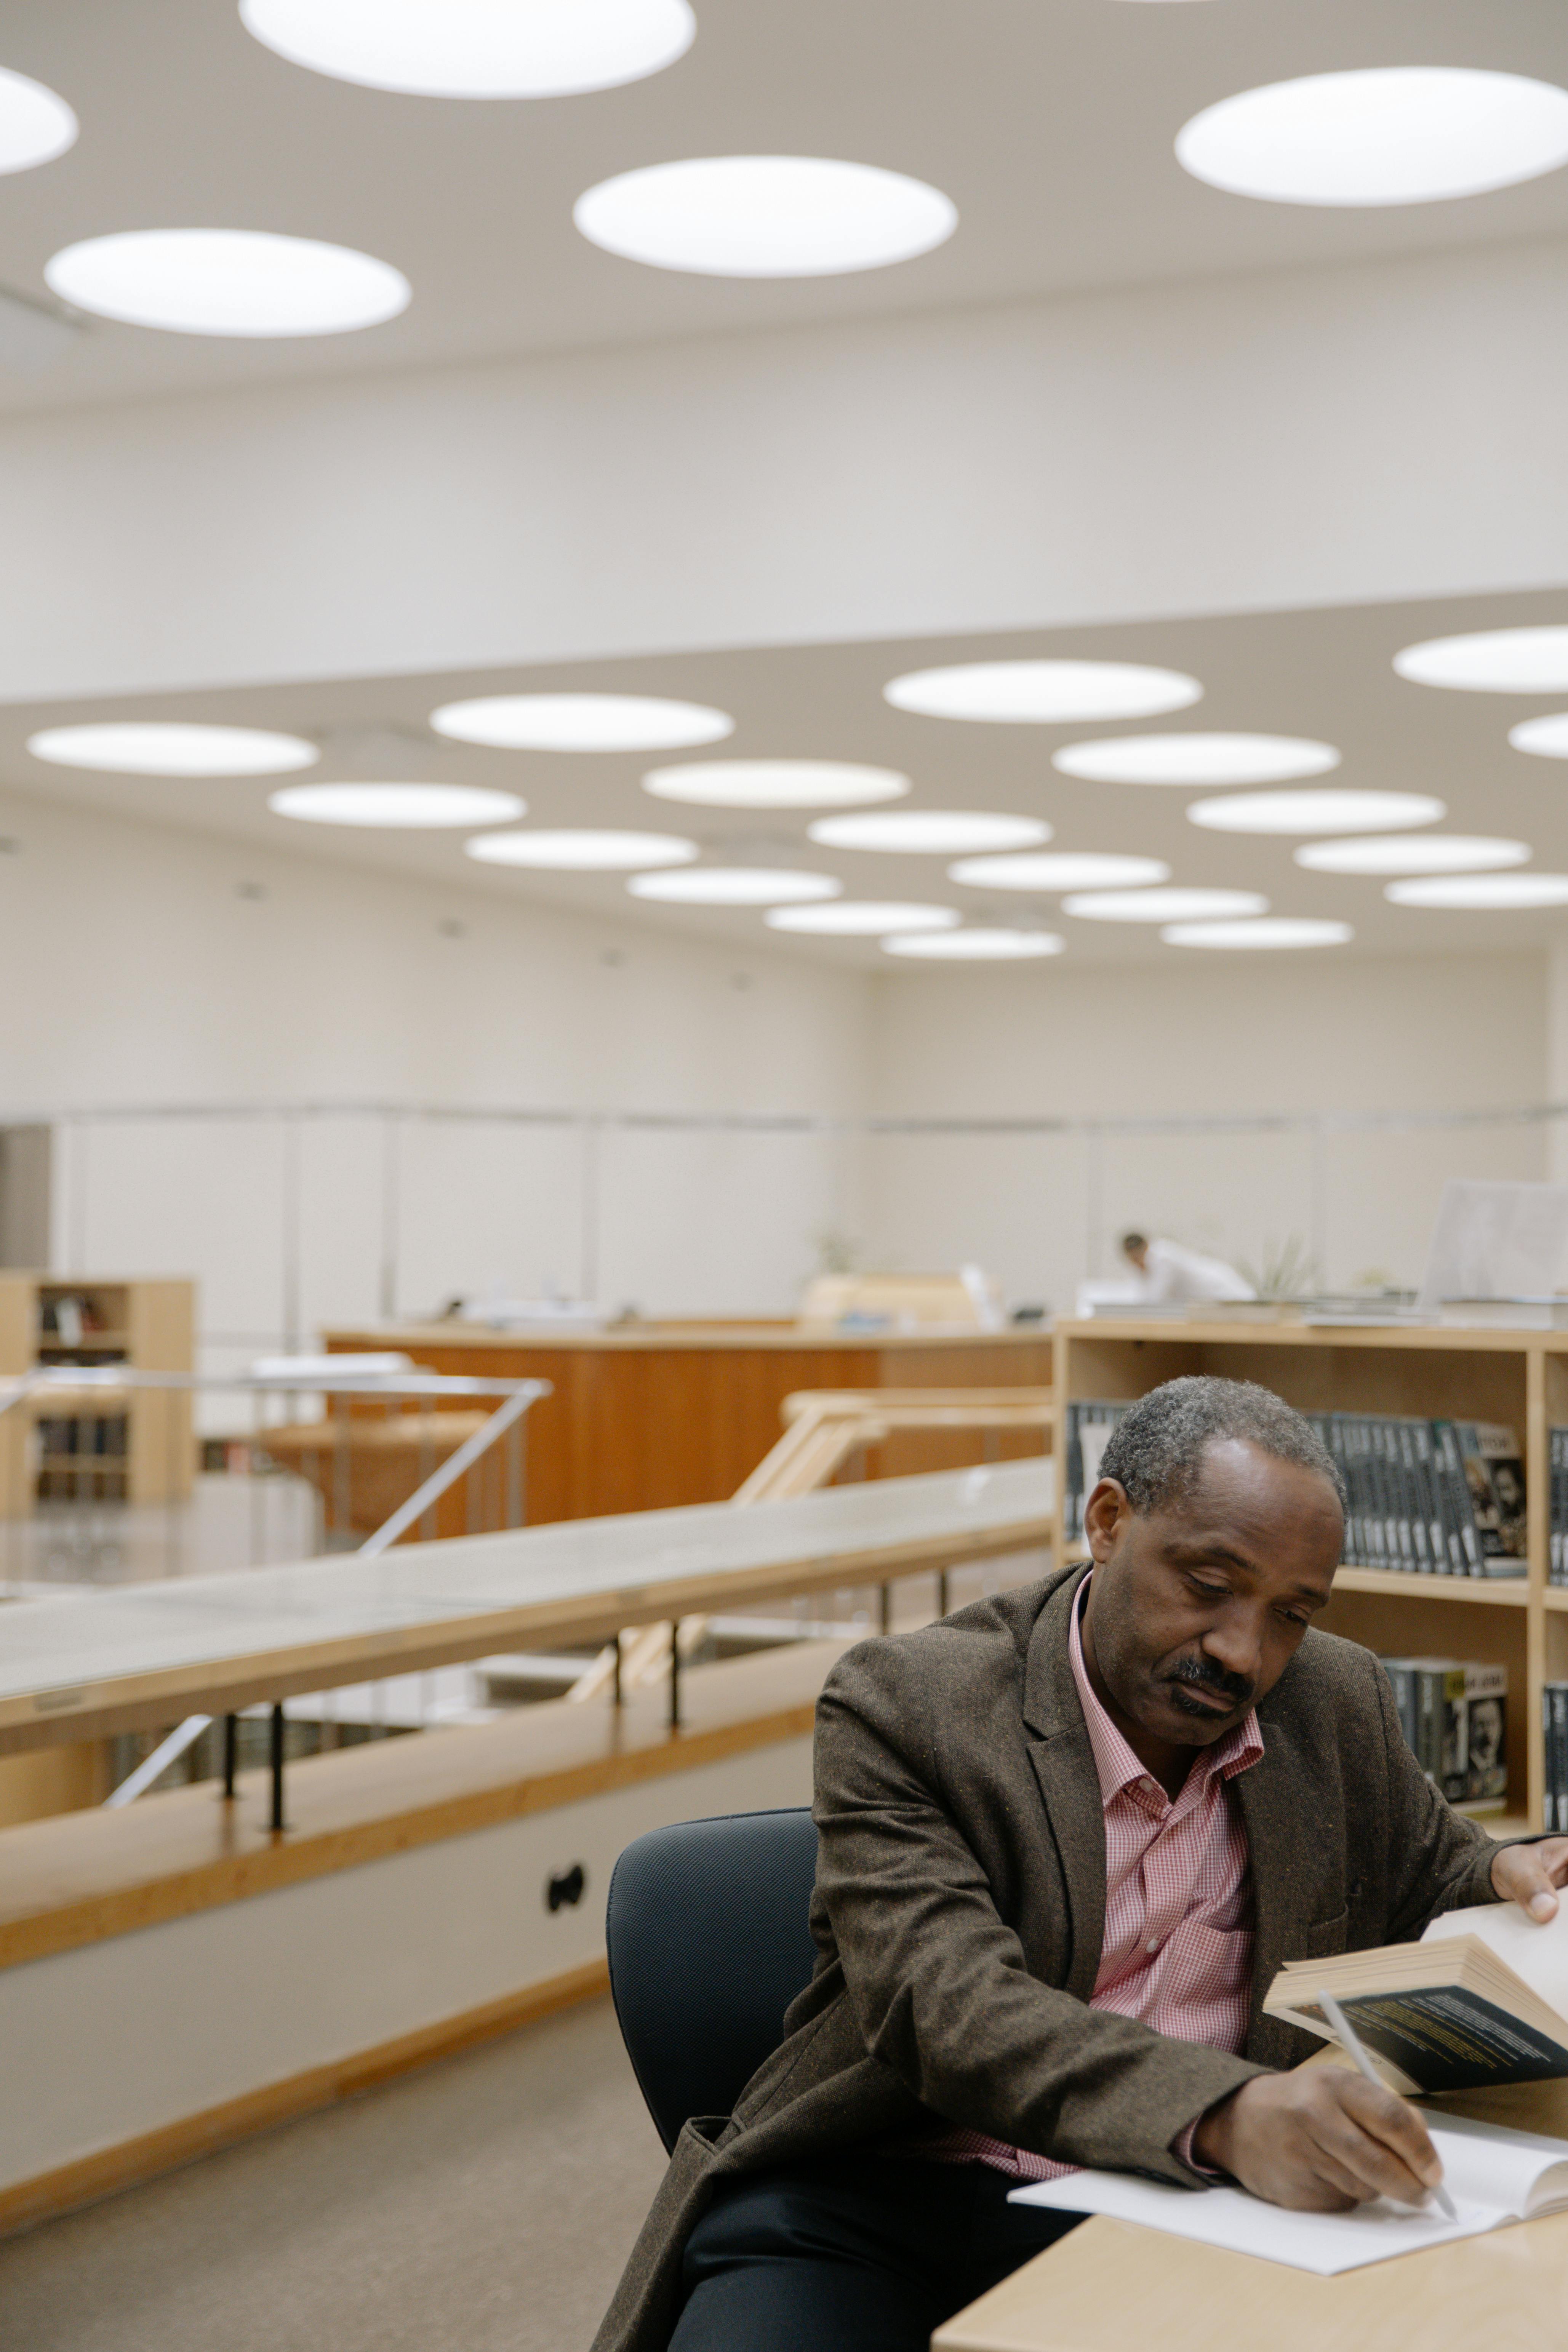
column 1170, row 1275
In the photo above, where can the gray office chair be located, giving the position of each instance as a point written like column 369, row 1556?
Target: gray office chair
column 706, row 1926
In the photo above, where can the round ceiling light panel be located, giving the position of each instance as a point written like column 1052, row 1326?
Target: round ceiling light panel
column 1379, row 135
column 862, row 917
column 1493, row 892
column 1316, row 812
column 34, row 125
column 227, row 281
column 1158, row 905
column 775, row 783
column 976, row 946
column 1547, row 738
column 1081, row 869
column 400, row 807
column 583, row 852
column 1415, row 852
column 734, row 886
column 477, row 48
column 1492, row 661
column 765, row 216
column 1264, row 931
column 1194, row 758
column 930, row 833
column 1042, row 693
column 140, row 747
column 581, row 722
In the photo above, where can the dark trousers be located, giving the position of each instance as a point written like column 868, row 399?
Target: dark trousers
column 860, row 2252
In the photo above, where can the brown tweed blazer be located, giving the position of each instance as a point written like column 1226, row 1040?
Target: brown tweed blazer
column 960, row 1901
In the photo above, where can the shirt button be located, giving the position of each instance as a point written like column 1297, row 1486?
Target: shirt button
column 1146, row 1785
column 1152, row 1945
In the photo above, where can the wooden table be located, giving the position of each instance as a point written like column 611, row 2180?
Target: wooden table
column 654, row 1415
column 1110, row 2286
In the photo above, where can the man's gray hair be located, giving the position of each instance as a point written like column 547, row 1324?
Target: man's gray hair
column 1155, row 1451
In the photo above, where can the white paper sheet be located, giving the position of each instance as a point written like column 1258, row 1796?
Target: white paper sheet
column 1492, row 2175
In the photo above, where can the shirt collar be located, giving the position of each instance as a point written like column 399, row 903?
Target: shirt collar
column 1114, row 1761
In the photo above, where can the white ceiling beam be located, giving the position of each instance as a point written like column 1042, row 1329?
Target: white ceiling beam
column 1323, row 437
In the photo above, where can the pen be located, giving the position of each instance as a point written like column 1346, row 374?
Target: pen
column 1353, row 2047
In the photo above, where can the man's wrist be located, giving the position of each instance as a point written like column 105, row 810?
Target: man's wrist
column 1209, row 2139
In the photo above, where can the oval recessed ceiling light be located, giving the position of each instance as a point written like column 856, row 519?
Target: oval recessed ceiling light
column 977, row 945
column 1081, row 869
column 1415, row 852
column 1195, row 758
column 1157, row 905
column 932, row 833
column 227, row 281
column 34, row 125
column 477, row 48
column 1379, row 135
column 413, row 807
column 765, row 216
column 734, row 886
column 1042, row 693
column 581, row 722
column 141, row 747
column 1264, row 931
column 862, row 917
column 1547, row 738
column 1315, row 812
column 775, row 783
column 584, row 851
column 1491, row 661
column 1484, row 890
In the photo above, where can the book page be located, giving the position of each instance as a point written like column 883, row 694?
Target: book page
column 1325, row 2242
column 1493, row 2176
column 1537, row 1954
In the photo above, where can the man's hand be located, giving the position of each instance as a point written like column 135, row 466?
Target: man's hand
column 1530, row 1875
column 1319, row 2141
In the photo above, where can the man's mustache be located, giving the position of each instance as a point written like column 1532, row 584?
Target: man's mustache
column 1210, row 1677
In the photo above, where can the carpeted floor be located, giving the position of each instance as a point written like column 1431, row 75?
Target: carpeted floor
column 484, row 2205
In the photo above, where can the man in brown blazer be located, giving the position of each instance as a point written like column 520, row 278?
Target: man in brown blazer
column 1065, row 1839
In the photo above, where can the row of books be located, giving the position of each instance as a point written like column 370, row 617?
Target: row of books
column 1557, row 1463
column 1453, row 1715
column 75, row 1435
column 1554, row 1724
column 1424, row 1497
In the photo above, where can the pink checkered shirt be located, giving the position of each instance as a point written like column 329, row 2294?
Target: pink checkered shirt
column 1177, row 1949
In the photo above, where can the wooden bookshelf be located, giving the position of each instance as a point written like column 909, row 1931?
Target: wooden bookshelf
column 147, row 1453
column 1431, row 1370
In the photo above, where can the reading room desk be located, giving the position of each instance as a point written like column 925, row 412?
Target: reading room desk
column 1110, row 2286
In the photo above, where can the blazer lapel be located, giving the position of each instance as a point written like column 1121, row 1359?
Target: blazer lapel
column 1278, row 1809
column 1064, row 1766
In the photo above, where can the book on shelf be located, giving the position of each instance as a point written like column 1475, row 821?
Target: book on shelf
column 1453, row 1715
column 1428, row 1497
column 1089, row 1426
column 1557, row 1549
column 1482, row 2000
column 1555, row 1733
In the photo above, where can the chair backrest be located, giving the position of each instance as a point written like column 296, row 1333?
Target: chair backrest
column 706, row 1926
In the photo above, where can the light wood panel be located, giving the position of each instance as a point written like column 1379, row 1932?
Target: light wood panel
column 654, row 1416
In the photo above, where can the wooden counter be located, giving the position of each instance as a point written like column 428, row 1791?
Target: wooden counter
column 649, row 1416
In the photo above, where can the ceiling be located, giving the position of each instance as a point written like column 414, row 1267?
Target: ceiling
column 1325, row 674
column 1049, row 122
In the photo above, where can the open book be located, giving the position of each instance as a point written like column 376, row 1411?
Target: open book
column 1482, row 2000
column 1493, row 2176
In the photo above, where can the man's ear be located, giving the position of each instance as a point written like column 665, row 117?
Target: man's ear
column 1105, row 1515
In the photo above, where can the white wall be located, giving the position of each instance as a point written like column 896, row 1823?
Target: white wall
column 1353, row 1040
column 1316, row 436
column 138, row 977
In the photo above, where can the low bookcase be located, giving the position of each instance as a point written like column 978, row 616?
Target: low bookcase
column 1432, row 1371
